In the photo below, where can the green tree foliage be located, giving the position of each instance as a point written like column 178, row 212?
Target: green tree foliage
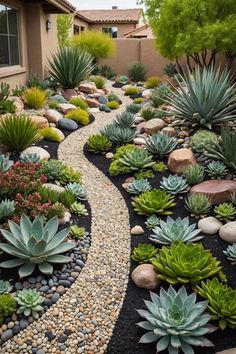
column 64, row 27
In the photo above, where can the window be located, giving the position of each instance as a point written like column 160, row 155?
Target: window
column 9, row 38
column 112, row 31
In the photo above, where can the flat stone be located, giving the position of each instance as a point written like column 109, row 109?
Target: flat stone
column 40, row 122
column 67, row 94
column 88, row 87
column 66, row 107
column 67, row 124
column 54, row 187
column 153, row 126
column 144, row 276
column 219, row 190
column 53, row 116
column 43, row 154
column 210, row 225
column 137, row 230
column 228, row 232
column 139, row 141
column 169, row 131
column 92, row 102
column 180, row 159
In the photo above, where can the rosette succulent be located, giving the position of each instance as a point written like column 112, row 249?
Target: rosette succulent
column 203, row 139
column 139, row 186
column 5, row 163
column 98, row 143
column 125, row 119
column 175, row 321
column 174, row 184
column 7, row 208
column 79, row 191
column 117, row 134
column 216, row 169
column 230, row 253
column 155, row 201
column 143, row 253
column 161, row 144
column 198, row 204
column 152, row 222
column 78, row 209
column 225, row 211
column 185, row 263
column 137, row 159
column 194, row 174
column 35, row 244
column 30, row 302
column 5, row 287
column 32, row 157
column 175, row 230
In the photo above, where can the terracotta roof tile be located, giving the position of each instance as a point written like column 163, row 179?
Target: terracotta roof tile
column 113, row 15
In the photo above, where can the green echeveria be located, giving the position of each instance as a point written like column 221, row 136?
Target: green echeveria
column 79, row 191
column 152, row 222
column 143, row 253
column 174, row 184
column 136, row 159
column 161, row 144
column 139, row 186
column 78, row 208
column 5, row 287
column 29, row 301
column 225, row 211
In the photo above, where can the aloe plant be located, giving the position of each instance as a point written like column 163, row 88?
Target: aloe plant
column 139, row 186
column 230, row 253
column 30, row 302
column 174, row 184
column 136, row 159
column 5, row 163
column 194, row 174
column 125, row 119
column 144, row 253
column 35, row 244
column 79, row 191
column 198, row 204
column 161, row 144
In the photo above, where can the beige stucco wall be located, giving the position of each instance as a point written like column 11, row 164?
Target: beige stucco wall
column 123, row 28
column 78, row 22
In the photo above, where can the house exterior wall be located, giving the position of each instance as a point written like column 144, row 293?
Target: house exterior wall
column 78, row 22
column 123, row 28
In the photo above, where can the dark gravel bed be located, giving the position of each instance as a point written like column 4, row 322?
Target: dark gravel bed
column 126, row 334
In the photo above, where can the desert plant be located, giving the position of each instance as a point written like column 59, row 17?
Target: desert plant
column 31, row 157
column 137, row 72
column 148, row 113
column 122, row 79
column 132, row 90
column 205, row 97
column 78, row 209
column 7, row 209
column 138, row 100
column 113, row 97
column 106, row 71
column 67, row 198
column 79, row 191
column 79, row 102
column 52, row 169
column 30, row 302
column 152, row 222
column 194, row 174
column 175, row 321
column 7, row 106
column 79, row 115
column 7, row 306
column 98, row 80
column 49, row 194
column 34, row 243
column 152, row 82
column 69, row 174
column 216, row 169
column 138, row 186
column 18, row 91
column 155, row 201
column 161, row 144
column 5, row 163
column 112, row 105
column 198, row 204
column 174, row 184
column 143, row 253
column 50, row 134
column 230, row 253
column 77, row 233
column 69, row 66
column 159, row 167
column 203, row 139
column 144, row 174
column 225, row 211
column 4, row 91
column 170, row 69
column 98, row 143
column 17, row 133
column 35, row 98
column 58, row 98
column 185, row 263
column 133, row 108
column 125, row 119
column 117, row 134
column 175, row 230
column 5, row 287
column 137, row 159
column 158, row 95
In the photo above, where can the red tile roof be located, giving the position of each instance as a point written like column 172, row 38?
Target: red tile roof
column 111, row 16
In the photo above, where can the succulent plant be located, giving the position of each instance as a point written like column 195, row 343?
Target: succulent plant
column 152, row 222
column 79, row 191
column 203, row 139
column 133, row 108
column 216, row 169
column 225, row 211
column 174, row 184
column 125, row 119
column 221, row 302
column 143, row 253
column 67, row 198
column 159, row 167
column 5, row 287
column 7, row 208
column 7, row 306
column 175, row 230
column 198, row 204
column 78, row 209
column 118, row 134
column 139, row 186
column 230, row 253
column 144, row 174
column 33, row 243
column 69, row 174
column 98, row 143
column 185, row 263
column 52, row 169
column 161, row 144
column 30, row 157
column 137, row 159
column 5, row 163
column 29, row 301
column 155, row 201
column 194, row 174
column 175, row 321
column 77, row 232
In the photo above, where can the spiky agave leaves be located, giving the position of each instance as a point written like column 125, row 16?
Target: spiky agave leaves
column 33, row 243
column 160, row 144
column 136, row 159
column 118, row 134
column 176, row 321
column 125, row 119
column 175, row 230
column 174, row 184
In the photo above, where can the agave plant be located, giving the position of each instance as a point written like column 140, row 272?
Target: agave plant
column 133, row 108
column 125, row 119
column 152, row 222
column 143, row 253
column 185, row 263
column 206, row 97
column 7, row 209
column 175, row 230
column 161, row 144
column 5, row 287
column 175, row 321
column 118, row 134
column 139, row 186
column 155, row 201
column 230, row 253
column 5, row 163
column 30, row 302
column 33, row 243
column 174, row 184
column 136, row 159
column 30, row 157
column 225, row 211
column 222, row 302
column 98, row 143
column 79, row 191
column 216, row 169
column 198, row 204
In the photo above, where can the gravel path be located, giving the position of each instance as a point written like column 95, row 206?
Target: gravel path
column 82, row 321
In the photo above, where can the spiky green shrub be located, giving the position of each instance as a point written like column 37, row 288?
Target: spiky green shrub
column 185, row 263
column 118, row 134
column 98, row 143
column 152, row 222
column 112, row 105
column 155, row 201
column 106, row 71
column 69, row 66
column 225, row 211
column 175, row 321
column 161, row 144
column 170, row 69
column 7, row 306
column 175, row 230
column 35, row 98
column 67, row 198
column 33, row 243
column 5, row 163
column 31, row 157
column 216, row 169
column 198, row 204
column 158, row 95
column 221, row 302
column 5, row 287
column 133, row 108
column 144, row 253
column 125, row 119
column 98, row 80
column 132, row 90
column 194, row 174
column 17, row 133
column 148, row 113
column 206, row 97
column 7, row 209
column 30, row 302
column 113, row 97
column 78, row 190
column 7, row 106
column 116, row 168
column 50, row 134
column 137, row 72
column 152, row 82
column 203, row 139
column 174, row 184
column 138, row 186
column 79, row 116
column 79, row 102
column 137, row 159
column 230, row 253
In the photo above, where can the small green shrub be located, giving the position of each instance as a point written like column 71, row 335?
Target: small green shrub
column 116, row 168
column 148, row 113
column 159, row 95
column 144, row 174
column 137, row 72
column 67, row 198
column 113, row 105
column 138, row 100
column 198, row 204
column 50, row 134
column 132, row 90
column 7, row 306
column 4, row 91
column 106, row 71
column 194, row 174
column 98, row 80
column 113, row 97
column 98, row 143
column 7, row 106
column 159, row 167
column 79, row 102
column 144, row 253
column 48, row 194
column 18, row 91
column 152, row 82
column 133, row 108
column 79, row 115
column 35, row 98
column 69, row 174
column 170, row 70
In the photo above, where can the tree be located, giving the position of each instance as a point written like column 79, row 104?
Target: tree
column 64, row 29
column 201, row 29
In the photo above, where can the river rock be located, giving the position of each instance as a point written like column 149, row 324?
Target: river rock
column 228, row 232
column 40, row 122
column 180, row 159
column 209, row 225
column 147, row 93
column 54, row 187
column 153, row 126
column 219, row 190
column 67, row 94
column 92, row 102
column 137, row 230
column 53, row 116
column 144, row 276
column 67, row 124
column 88, row 87
column 66, row 107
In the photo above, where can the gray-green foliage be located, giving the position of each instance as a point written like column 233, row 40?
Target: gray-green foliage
column 79, row 191
column 137, row 72
column 216, row 169
column 230, row 253
column 194, row 174
column 161, row 144
column 118, row 134
column 139, row 186
column 174, row 184
column 198, row 204
column 5, row 287
column 30, row 302
column 203, row 139
column 30, row 157
column 152, row 222
column 137, row 159
column 133, row 108
column 125, row 119
column 7, row 209
column 5, row 163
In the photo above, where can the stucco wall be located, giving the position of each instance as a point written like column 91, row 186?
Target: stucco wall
column 78, row 22
column 122, row 28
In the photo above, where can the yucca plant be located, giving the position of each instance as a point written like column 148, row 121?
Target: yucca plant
column 176, row 321
column 206, row 97
column 144, row 253
column 230, row 253
column 125, row 119
column 139, row 186
column 161, row 144
column 5, row 163
column 30, row 302
column 98, row 143
column 70, row 65
column 137, row 72
column 35, row 98
column 137, row 159
column 194, row 174
column 33, row 243
column 198, row 204
column 216, row 169
column 185, row 263
column 175, row 230
column 152, row 222
column 117, row 134
column 17, row 133
column 225, row 211
column 174, row 184
column 155, row 201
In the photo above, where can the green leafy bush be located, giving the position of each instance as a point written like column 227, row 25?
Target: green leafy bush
column 198, row 204
column 138, row 100
column 79, row 102
column 98, row 143
column 137, row 72
column 98, row 80
column 48, row 194
column 30, row 302
column 159, row 167
column 203, row 139
column 18, row 91
column 144, row 174
column 50, row 134
column 225, row 211
column 194, row 174
column 67, row 198
column 35, row 98
column 113, row 97
column 52, row 104
column 144, row 253
column 79, row 115
column 69, row 174
column 132, row 90
column 152, row 82
column 112, row 105
column 155, row 201
column 7, row 306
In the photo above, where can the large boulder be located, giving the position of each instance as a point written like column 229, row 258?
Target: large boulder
column 43, row 154
column 88, row 87
column 228, row 232
column 210, row 225
column 18, row 103
column 180, row 159
column 219, row 190
column 66, row 107
column 53, row 116
column 67, row 124
column 153, row 126
column 39, row 121
column 144, row 276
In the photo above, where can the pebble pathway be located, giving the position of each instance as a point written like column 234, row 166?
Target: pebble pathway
column 82, row 321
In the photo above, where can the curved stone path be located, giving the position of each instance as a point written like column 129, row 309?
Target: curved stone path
column 90, row 308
